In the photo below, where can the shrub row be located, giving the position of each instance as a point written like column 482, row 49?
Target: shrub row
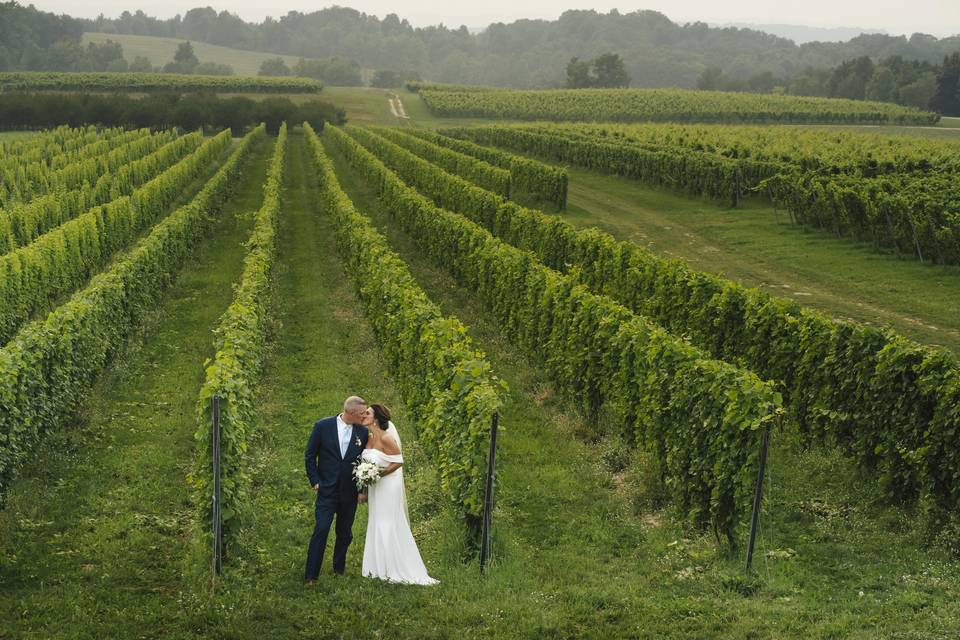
column 862, row 152
column 700, row 416
column 916, row 215
column 46, row 144
column 689, row 171
column 543, row 181
column 48, row 368
column 477, row 171
column 445, row 381
column 25, row 180
column 446, row 190
column 188, row 111
column 235, row 369
column 54, row 148
column 33, row 276
column 869, row 188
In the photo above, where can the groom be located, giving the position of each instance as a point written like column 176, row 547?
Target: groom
column 334, row 445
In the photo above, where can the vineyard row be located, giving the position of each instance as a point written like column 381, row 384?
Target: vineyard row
column 232, row 376
column 146, row 82
column 664, row 105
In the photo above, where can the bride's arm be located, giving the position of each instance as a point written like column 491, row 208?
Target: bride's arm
column 390, row 468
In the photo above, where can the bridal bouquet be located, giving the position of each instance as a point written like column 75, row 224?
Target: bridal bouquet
column 365, row 472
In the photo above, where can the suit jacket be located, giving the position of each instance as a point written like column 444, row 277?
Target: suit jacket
column 324, row 464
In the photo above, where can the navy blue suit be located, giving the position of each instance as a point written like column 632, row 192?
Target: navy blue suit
column 337, row 495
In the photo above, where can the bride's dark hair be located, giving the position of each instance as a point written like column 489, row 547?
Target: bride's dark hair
column 382, row 415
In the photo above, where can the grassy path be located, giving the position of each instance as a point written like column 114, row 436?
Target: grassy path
column 580, row 523
column 758, row 247
column 93, row 539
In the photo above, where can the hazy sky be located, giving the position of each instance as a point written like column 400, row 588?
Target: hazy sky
column 938, row 17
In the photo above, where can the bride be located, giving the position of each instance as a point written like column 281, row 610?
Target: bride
column 390, row 552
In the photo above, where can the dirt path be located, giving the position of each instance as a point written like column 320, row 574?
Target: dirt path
column 396, row 107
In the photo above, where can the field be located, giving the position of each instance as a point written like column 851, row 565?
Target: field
column 14, row 135
column 371, row 106
column 636, row 336
column 159, row 51
column 364, row 105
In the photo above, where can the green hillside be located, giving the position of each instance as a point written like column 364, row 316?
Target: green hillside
column 159, row 51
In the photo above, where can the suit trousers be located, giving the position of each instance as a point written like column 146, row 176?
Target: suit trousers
column 344, row 509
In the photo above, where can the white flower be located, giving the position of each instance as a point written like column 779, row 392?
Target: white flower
column 365, row 473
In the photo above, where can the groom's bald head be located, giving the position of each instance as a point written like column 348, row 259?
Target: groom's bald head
column 353, row 408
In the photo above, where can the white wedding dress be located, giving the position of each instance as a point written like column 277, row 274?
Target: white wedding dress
column 390, row 552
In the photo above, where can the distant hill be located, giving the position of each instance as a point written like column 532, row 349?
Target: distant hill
column 529, row 53
column 801, row 34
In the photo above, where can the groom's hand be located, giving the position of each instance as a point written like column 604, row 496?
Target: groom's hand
column 316, row 487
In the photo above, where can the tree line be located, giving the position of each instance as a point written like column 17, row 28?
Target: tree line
column 188, row 111
column 911, row 83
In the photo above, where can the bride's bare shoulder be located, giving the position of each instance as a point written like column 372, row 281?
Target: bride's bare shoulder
column 389, row 444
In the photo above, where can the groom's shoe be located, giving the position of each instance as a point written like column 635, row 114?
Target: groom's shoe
column 310, row 583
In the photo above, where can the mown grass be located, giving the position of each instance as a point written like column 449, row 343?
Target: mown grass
column 159, row 51
column 370, row 106
column 364, row 105
column 95, row 533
